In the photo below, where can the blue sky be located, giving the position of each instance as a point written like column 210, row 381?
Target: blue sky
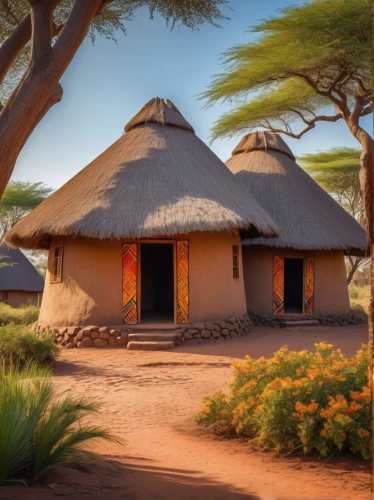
column 106, row 84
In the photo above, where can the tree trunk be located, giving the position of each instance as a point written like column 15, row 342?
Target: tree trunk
column 39, row 89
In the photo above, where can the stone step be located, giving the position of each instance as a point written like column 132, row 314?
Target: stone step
column 294, row 324
column 154, row 336
column 150, row 346
column 155, row 327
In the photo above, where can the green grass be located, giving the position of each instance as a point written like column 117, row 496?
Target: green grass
column 360, row 298
column 19, row 346
column 21, row 315
column 40, row 429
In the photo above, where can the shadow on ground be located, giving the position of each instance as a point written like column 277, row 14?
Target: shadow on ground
column 138, row 479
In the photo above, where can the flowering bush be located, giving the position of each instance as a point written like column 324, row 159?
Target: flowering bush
column 317, row 401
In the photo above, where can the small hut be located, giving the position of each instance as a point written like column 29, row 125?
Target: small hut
column 146, row 233
column 302, row 271
column 20, row 283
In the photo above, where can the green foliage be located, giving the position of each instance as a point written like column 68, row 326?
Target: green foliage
column 6, row 263
column 321, row 41
column 315, row 401
column 26, row 195
column 18, row 200
column 25, row 314
column 337, row 171
column 19, row 346
column 39, row 429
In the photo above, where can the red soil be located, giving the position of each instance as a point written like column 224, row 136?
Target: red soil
column 149, row 400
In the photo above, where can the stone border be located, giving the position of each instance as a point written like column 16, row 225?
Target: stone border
column 329, row 320
column 195, row 333
column 234, row 327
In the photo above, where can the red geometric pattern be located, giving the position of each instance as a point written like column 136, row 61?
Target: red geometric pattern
column 182, row 282
column 129, row 283
column 278, row 285
column 309, row 285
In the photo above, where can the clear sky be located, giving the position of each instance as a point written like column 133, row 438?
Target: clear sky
column 106, row 84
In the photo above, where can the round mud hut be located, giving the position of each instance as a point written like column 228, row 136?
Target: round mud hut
column 146, row 233
column 20, row 282
column 303, row 270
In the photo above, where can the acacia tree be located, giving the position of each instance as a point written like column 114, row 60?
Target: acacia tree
column 18, row 200
column 39, row 38
column 337, row 171
column 310, row 64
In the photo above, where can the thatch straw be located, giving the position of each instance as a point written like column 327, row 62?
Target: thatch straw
column 308, row 217
column 158, row 179
column 22, row 275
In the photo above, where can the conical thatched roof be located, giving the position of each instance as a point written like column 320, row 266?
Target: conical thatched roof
column 157, row 179
column 22, row 275
column 308, row 217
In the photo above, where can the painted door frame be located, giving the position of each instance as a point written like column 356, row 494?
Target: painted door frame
column 171, row 241
column 305, row 258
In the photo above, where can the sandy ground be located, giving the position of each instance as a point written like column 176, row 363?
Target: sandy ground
column 149, row 400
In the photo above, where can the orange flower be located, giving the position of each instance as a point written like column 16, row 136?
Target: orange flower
column 362, row 433
column 353, row 407
column 363, row 396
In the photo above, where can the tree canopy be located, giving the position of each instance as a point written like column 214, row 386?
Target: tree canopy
column 337, row 171
column 307, row 61
column 18, row 200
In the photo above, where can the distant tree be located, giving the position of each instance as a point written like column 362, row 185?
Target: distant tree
column 337, row 171
column 309, row 64
column 39, row 38
column 18, row 200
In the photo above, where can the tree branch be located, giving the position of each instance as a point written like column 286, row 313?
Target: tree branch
column 41, row 30
column 311, row 124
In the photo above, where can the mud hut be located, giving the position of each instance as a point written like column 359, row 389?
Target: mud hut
column 146, row 233
column 302, row 271
column 20, row 283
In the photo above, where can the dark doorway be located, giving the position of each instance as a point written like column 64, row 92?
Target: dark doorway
column 293, row 285
column 157, row 283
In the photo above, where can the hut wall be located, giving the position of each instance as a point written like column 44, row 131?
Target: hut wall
column 91, row 288
column 330, row 293
column 18, row 298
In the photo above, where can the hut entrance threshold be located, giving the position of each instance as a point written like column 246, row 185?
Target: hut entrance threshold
column 157, row 282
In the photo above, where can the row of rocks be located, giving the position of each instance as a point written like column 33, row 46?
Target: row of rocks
column 234, row 327
column 89, row 336
column 341, row 320
column 195, row 333
column 329, row 320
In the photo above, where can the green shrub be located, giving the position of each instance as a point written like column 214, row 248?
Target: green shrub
column 26, row 314
column 18, row 346
column 40, row 430
column 315, row 401
column 360, row 298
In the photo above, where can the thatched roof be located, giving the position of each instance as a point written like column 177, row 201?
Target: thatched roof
column 157, row 179
column 308, row 217
column 22, row 276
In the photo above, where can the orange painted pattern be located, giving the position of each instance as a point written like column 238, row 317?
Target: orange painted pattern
column 129, row 283
column 278, row 285
column 309, row 286
column 182, row 282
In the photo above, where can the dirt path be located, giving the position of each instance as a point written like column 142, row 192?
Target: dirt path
column 149, row 400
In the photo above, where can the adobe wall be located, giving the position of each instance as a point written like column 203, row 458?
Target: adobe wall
column 18, row 298
column 91, row 289
column 331, row 291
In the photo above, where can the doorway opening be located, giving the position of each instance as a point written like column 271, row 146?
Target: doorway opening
column 293, row 285
column 157, row 282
